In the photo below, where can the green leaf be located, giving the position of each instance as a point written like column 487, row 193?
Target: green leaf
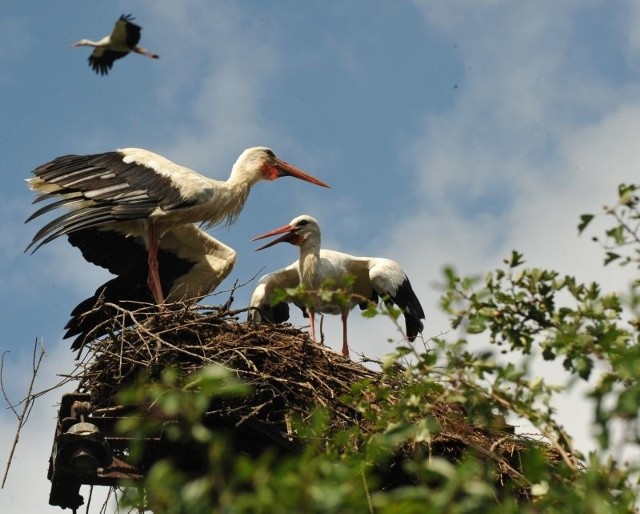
column 515, row 260
column 617, row 234
column 548, row 354
column 477, row 324
column 370, row 311
column 611, row 256
column 628, row 403
column 585, row 219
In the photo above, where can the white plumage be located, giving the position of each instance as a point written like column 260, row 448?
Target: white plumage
column 365, row 279
column 142, row 194
column 123, row 39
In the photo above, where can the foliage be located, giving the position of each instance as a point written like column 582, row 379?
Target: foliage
column 505, row 322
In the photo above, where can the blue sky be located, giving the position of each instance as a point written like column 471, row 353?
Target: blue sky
column 451, row 132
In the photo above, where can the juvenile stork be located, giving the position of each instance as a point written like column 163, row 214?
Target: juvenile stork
column 139, row 193
column 373, row 278
column 191, row 265
column 123, row 39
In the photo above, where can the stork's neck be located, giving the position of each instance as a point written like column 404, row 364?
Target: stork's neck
column 219, row 201
column 95, row 44
column 236, row 194
column 309, row 262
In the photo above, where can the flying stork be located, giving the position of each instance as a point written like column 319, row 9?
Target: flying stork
column 191, row 265
column 142, row 194
column 373, row 278
column 123, row 39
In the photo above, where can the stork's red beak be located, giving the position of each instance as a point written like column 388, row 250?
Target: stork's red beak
column 283, row 168
column 290, row 236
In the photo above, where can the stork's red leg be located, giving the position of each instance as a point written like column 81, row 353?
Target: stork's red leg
column 153, row 280
column 312, row 324
column 345, row 346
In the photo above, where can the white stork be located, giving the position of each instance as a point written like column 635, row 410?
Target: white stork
column 123, row 39
column 373, row 278
column 191, row 265
column 140, row 193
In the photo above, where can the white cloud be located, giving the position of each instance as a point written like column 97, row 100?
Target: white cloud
column 522, row 153
column 594, row 160
column 221, row 62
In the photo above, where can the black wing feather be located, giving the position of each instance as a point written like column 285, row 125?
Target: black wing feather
column 101, row 64
column 132, row 30
column 125, row 257
column 115, row 191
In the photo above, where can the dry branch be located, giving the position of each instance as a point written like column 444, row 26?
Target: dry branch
column 27, row 403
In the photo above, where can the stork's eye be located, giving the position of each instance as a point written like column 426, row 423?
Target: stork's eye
column 302, row 223
column 270, row 153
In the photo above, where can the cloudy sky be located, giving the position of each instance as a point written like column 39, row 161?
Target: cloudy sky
column 452, row 132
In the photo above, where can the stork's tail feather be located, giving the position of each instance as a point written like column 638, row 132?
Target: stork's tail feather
column 263, row 311
column 95, row 317
column 413, row 326
column 278, row 313
column 407, row 300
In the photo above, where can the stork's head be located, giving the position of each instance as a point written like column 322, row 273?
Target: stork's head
column 260, row 163
column 298, row 231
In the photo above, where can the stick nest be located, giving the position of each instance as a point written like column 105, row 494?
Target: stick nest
column 290, row 375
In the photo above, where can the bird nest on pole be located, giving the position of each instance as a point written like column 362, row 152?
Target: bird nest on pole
column 291, row 378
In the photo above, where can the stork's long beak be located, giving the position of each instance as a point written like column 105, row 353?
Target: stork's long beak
column 289, row 236
column 283, row 168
